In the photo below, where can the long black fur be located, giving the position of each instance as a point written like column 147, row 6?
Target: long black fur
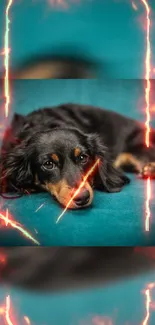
column 102, row 133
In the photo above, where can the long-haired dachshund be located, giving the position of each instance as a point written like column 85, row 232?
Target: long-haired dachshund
column 52, row 149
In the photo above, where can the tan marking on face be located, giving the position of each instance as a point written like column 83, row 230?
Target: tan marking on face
column 77, row 152
column 55, row 157
column 63, row 193
column 125, row 159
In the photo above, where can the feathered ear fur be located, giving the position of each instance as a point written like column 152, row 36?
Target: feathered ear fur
column 16, row 167
column 107, row 178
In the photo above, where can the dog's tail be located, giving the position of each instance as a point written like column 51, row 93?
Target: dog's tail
column 57, row 67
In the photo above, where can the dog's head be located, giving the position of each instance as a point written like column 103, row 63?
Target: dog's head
column 57, row 161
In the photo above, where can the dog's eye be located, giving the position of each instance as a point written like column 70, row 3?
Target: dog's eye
column 49, row 164
column 83, row 159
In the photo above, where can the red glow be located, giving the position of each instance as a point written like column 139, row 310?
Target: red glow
column 7, row 58
column 6, row 313
column 90, row 171
column 147, row 100
column 147, row 251
column 9, row 222
column 148, row 302
column 147, row 72
column 2, row 258
column 147, row 205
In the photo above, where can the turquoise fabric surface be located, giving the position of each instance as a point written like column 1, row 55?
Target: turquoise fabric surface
column 108, row 31
column 124, row 302
column 114, row 219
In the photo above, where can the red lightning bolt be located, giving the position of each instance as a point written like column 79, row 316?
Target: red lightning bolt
column 90, row 171
column 5, row 312
column 17, row 226
column 148, row 301
column 147, row 100
column 147, row 72
column 6, row 58
column 7, row 106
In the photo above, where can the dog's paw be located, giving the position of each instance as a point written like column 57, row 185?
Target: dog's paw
column 148, row 170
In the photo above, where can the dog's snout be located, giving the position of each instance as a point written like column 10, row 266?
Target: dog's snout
column 82, row 198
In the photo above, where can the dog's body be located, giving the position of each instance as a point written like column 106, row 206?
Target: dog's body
column 53, row 148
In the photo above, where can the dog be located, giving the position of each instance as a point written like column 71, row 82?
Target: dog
column 52, row 149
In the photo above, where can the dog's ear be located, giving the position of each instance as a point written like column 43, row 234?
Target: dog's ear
column 11, row 134
column 107, row 178
column 16, row 166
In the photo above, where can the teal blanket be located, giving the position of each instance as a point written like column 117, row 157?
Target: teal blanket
column 114, row 219
column 123, row 302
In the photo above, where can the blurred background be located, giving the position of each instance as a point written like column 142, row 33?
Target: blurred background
column 108, row 34
column 123, row 300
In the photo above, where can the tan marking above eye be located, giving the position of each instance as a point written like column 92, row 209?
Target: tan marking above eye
column 77, row 152
column 55, row 157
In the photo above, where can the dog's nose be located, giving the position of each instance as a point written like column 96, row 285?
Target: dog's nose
column 82, row 198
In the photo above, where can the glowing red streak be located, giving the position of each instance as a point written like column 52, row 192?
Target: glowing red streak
column 6, row 58
column 17, row 226
column 148, row 302
column 7, row 311
column 147, row 73
column 90, row 171
column 147, row 99
column 147, row 205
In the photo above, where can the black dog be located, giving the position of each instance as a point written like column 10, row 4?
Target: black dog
column 53, row 148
